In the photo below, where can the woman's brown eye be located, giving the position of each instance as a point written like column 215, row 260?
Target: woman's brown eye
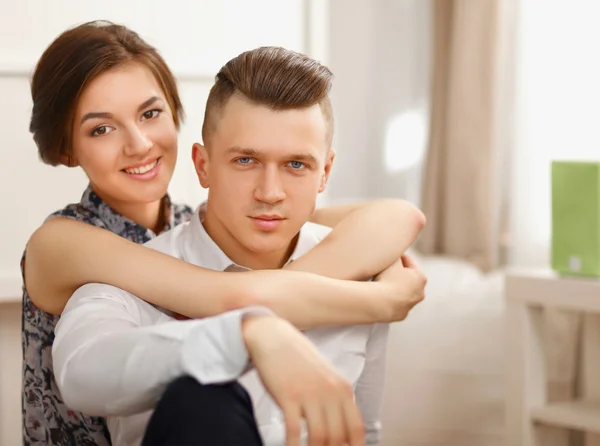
column 100, row 131
column 151, row 114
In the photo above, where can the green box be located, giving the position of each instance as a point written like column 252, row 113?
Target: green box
column 576, row 218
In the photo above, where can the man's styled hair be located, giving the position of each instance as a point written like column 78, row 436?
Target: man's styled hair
column 274, row 77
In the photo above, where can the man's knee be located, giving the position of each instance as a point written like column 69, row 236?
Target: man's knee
column 194, row 413
column 188, row 395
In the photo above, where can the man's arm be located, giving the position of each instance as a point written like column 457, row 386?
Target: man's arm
column 106, row 362
column 370, row 386
column 381, row 231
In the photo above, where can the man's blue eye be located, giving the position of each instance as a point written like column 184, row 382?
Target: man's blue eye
column 244, row 160
column 296, row 164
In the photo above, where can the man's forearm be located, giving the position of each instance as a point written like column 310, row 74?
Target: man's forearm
column 366, row 239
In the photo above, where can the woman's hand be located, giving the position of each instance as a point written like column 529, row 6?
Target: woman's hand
column 406, row 282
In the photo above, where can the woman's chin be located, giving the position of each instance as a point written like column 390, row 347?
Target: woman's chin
column 148, row 193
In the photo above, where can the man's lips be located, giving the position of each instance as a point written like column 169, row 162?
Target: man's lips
column 267, row 222
column 268, row 217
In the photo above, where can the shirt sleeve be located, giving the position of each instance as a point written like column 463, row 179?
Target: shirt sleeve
column 370, row 386
column 111, row 358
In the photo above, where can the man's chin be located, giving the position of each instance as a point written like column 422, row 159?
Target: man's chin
column 267, row 243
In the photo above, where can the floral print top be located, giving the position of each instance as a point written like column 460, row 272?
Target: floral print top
column 46, row 419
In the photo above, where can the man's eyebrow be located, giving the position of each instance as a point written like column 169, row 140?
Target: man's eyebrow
column 302, row 157
column 242, row 151
column 105, row 115
column 305, row 158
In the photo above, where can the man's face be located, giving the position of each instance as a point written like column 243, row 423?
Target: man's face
column 263, row 169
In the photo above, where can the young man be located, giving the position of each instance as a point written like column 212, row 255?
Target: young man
column 266, row 155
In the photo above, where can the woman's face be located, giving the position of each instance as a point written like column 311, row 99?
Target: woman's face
column 124, row 136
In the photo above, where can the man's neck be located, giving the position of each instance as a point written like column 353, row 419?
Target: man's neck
column 237, row 252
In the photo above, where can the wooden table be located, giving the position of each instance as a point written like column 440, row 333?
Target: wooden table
column 527, row 406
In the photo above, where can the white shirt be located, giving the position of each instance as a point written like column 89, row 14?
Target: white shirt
column 114, row 353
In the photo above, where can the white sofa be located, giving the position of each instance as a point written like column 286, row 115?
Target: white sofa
column 445, row 362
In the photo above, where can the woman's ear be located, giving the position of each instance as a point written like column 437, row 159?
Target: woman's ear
column 68, row 159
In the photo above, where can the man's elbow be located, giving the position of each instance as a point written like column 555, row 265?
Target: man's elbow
column 73, row 401
column 76, row 396
column 75, row 380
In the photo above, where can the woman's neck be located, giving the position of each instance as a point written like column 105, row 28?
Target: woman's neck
column 149, row 215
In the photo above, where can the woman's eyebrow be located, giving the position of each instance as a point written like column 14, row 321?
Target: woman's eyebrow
column 105, row 115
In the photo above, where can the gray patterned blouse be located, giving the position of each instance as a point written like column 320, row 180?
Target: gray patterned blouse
column 46, row 419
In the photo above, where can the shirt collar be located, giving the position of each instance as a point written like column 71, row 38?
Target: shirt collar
column 201, row 250
column 116, row 222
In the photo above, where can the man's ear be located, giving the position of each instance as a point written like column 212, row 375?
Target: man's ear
column 201, row 163
column 327, row 169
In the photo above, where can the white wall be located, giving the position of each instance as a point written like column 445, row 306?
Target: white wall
column 377, row 49
column 196, row 37
column 380, row 55
column 379, row 52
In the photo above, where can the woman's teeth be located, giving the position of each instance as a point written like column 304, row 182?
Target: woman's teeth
column 143, row 169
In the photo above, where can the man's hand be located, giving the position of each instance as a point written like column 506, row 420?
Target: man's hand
column 303, row 384
column 406, row 283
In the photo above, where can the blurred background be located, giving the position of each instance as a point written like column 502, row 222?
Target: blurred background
column 455, row 105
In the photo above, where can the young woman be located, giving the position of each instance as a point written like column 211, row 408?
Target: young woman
column 122, row 131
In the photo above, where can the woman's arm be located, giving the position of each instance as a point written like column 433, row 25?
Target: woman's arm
column 64, row 254
column 381, row 231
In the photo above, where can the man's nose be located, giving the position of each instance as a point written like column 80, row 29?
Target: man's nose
column 270, row 187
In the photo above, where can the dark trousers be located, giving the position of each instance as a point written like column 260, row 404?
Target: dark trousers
column 194, row 414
